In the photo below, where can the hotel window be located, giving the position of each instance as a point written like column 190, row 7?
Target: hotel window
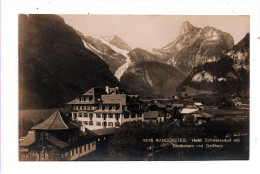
column 85, row 114
column 114, row 107
column 117, row 107
column 110, row 124
column 85, row 122
column 117, row 124
column 126, row 115
column 75, row 115
column 103, row 107
column 80, row 150
column 100, row 108
column 90, row 108
column 104, row 124
column 110, row 115
column 82, row 98
column 117, row 116
column 72, row 152
column 91, row 123
column 98, row 116
column 76, row 107
column 91, row 115
column 88, row 146
column 85, row 148
column 132, row 115
column 110, row 107
column 98, row 123
column 80, row 114
column 104, row 116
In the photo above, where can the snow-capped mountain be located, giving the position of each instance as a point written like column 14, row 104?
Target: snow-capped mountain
column 195, row 46
column 117, row 42
column 112, row 50
column 229, row 75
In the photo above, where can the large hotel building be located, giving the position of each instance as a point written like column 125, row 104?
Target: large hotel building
column 105, row 108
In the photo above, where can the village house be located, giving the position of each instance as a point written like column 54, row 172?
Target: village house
column 56, row 138
column 156, row 113
column 195, row 115
column 105, row 108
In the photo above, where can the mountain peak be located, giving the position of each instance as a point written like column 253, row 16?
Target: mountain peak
column 186, row 26
column 118, row 42
column 109, row 37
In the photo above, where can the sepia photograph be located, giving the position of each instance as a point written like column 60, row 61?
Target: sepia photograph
column 133, row 87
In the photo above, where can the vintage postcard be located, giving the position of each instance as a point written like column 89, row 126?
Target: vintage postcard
column 133, row 87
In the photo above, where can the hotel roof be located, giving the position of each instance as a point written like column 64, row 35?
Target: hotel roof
column 57, row 121
column 96, row 91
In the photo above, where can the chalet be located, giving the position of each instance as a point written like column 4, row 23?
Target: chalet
column 153, row 117
column 156, row 113
column 195, row 115
column 56, row 138
column 105, row 108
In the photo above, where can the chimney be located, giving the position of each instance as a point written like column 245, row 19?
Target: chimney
column 107, row 89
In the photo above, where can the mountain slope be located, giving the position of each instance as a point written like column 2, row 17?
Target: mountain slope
column 117, row 42
column 54, row 65
column 230, row 75
column 148, row 78
column 195, row 46
column 138, row 55
column 109, row 53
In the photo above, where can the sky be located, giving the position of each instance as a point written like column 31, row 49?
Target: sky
column 154, row 31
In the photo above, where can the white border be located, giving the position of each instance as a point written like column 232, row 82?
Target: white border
column 9, row 82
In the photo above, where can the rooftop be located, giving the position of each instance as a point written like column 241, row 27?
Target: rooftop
column 29, row 139
column 104, row 131
column 151, row 115
column 188, row 110
column 57, row 121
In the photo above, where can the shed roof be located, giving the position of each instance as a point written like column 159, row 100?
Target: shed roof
column 188, row 110
column 198, row 104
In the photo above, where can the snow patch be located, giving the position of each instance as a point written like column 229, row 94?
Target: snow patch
column 121, row 70
column 91, row 48
column 118, row 50
column 109, row 38
column 203, row 76
column 212, row 35
column 222, row 79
